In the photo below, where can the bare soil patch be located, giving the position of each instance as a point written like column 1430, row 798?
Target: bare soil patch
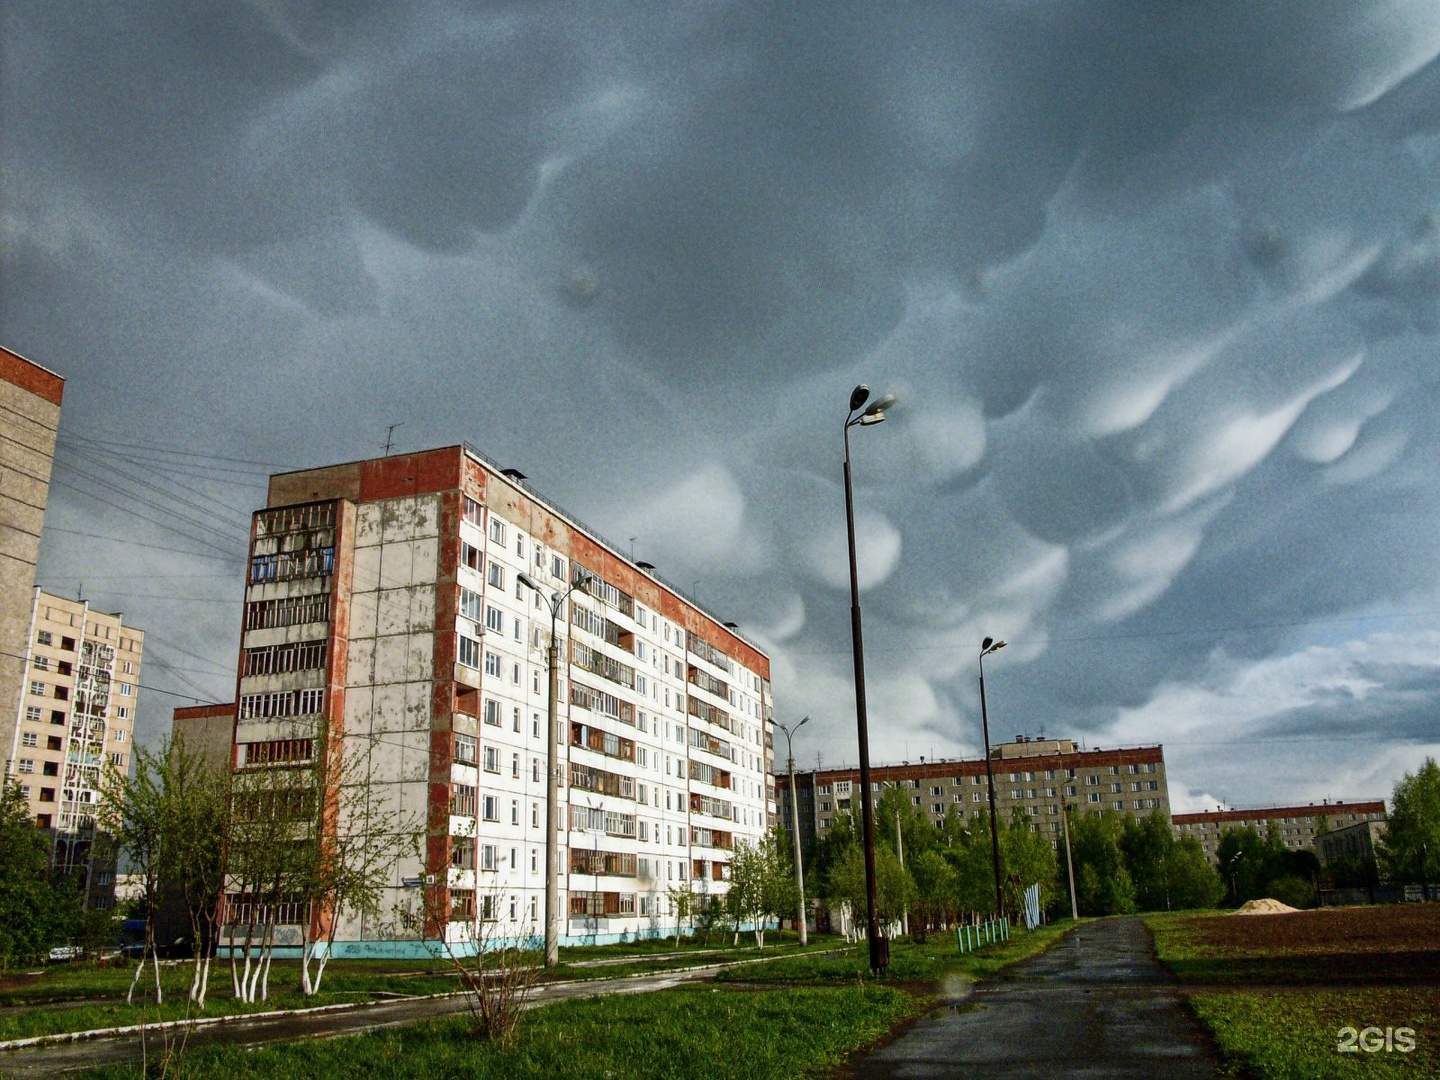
column 1388, row 928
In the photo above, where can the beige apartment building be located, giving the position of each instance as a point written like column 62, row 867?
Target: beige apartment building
column 29, row 417
column 76, row 719
column 1034, row 778
column 402, row 606
column 1299, row 826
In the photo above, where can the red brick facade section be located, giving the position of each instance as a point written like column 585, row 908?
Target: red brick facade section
column 18, row 371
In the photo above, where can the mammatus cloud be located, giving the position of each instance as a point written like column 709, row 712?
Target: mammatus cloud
column 1157, row 290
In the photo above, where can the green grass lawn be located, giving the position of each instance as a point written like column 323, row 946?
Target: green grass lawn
column 681, row 1033
column 86, row 996
column 1296, row 1034
column 932, row 961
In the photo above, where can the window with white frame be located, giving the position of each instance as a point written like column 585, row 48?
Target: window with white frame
column 467, row 651
column 492, row 759
column 492, row 665
column 492, row 712
column 490, row 807
column 495, row 574
column 33, row 712
column 470, row 604
column 494, row 620
column 29, row 738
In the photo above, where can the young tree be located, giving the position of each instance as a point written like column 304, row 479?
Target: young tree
column 1102, row 883
column 761, row 884
column 195, row 818
column 360, row 840
column 133, row 809
column 1411, row 850
column 893, row 886
column 36, row 914
column 1027, row 858
column 935, row 883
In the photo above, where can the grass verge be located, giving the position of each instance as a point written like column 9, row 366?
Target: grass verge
column 680, row 1033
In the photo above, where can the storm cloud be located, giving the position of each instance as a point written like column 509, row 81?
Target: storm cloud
column 1156, row 285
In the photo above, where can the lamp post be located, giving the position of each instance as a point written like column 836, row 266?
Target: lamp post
column 795, row 827
column 552, row 766
column 1234, row 888
column 988, row 646
column 863, row 415
column 1069, row 861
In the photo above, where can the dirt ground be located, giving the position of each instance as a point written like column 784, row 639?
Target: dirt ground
column 1387, row 928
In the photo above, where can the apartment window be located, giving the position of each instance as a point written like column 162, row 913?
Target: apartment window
column 41, row 663
column 515, row 678
column 492, row 759
column 514, row 811
column 491, row 807
column 492, row 665
column 1094, row 797
column 1114, row 789
column 465, row 748
column 462, row 852
column 122, row 712
column 557, row 566
column 937, row 792
column 118, row 760
column 126, row 690
column 497, row 530
column 25, row 791
column 57, row 716
column 33, row 712
column 29, row 738
column 44, row 637
column 515, row 719
column 1092, row 781
column 515, row 766
column 54, row 742
column 47, row 794
column 467, row 652
column 975, row 796
column 470, row 556
column 462, row 800
column 495, row 574
column 37, row 687
column 470, row 604
column 494, row 620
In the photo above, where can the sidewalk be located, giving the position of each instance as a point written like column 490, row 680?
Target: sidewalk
column 1096, row 1004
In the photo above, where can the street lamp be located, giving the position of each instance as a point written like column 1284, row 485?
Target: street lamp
column 795, row 826
column 988, row 646
column 1234, row 888
column 552, row 765
column 863, row 415
column 1069, row 861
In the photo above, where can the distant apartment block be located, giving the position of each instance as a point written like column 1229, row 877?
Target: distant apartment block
column 1298, row 825
column 385, row 609
column 29, row 417
column 76, row 720
column 1033, row 778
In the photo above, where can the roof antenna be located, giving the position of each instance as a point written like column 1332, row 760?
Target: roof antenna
column 390, row 437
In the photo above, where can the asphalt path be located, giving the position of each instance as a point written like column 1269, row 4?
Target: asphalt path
column 1097, row 1004
column 57, row 1059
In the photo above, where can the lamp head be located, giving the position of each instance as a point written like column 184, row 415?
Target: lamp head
column 802, row 723
column 859, row 396
column 527, row 581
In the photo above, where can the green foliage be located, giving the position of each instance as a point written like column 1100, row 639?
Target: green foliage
column 1026, row 858
column 1411, row 851
column 893, row 887
column 1255, row 866
column 1103, row 884
column 36, row 913
column 1168, row 874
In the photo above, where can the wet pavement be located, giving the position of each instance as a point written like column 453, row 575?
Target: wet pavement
column 1097, row 1004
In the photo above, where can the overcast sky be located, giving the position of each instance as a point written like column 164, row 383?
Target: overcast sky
column 1156, row 285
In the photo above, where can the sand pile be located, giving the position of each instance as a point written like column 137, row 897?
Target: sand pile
column 1264, row 907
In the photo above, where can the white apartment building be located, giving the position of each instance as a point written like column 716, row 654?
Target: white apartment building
column 385, row 606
